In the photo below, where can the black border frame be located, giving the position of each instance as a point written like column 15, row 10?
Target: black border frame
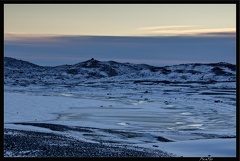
column 134, row 2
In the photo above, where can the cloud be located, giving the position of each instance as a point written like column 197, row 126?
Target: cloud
column 164, row 27
column 217, row 34
column 182, row 31
column 154, row 50
column 29, row 37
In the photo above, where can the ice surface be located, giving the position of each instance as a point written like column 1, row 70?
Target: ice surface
column 191, row 117
column 199, row 148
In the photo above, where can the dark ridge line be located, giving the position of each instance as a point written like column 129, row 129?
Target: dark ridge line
column 111, row 61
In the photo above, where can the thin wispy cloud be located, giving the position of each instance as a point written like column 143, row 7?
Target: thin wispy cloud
column 194, row 31
column 33, row 37
column 165, row 27
column 186, row 30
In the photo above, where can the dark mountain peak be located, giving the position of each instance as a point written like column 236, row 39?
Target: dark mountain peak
column 12, row 62
column 9, row 59
column 92, row 60
column 92, row 63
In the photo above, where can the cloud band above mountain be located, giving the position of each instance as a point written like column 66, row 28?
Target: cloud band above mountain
column 155, row 50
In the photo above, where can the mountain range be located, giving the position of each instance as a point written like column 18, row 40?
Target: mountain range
column 19, row 72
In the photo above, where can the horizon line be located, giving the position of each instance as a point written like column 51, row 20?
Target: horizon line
column 204, row 63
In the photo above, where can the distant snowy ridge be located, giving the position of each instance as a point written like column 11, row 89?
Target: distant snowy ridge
column 19, row 72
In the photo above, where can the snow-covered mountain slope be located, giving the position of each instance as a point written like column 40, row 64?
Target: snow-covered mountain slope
column 18, row 72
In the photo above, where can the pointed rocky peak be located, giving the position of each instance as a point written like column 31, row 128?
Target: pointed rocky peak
column 92, row 63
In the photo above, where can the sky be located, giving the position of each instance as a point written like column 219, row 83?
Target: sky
column 156, row 34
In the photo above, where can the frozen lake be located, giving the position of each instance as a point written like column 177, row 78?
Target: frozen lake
column 159, row 116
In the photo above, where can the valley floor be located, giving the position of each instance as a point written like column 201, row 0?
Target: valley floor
column 115, row 120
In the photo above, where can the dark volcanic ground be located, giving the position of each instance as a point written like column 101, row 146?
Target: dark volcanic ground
column 20, row 143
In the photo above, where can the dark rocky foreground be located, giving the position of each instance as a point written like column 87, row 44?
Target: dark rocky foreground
column 20, row 143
